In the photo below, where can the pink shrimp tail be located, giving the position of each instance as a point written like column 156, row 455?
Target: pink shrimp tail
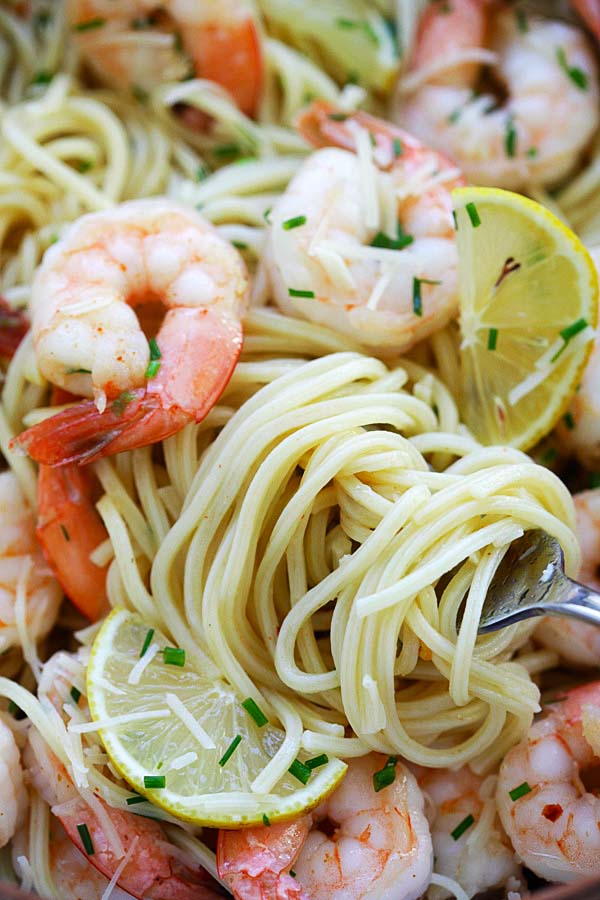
column 254, row 862
column 188, row 385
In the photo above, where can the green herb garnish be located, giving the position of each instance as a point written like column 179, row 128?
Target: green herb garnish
column 255, row 712
column 230, row 750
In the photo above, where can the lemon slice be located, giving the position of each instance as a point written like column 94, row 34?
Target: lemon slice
column 528, row 310
column 190, row 734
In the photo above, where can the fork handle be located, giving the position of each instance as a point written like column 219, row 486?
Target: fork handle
column 579, row 602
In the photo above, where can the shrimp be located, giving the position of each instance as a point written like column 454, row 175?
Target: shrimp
column 24, row 575
column 141, row 43
column 479, row 857
column 72, row 873
column 13, row 796
column 551, row 819
column 577, row 642
column 547, row 69
column 589, row 10
column 69, row 528
column 88, row 339
column 153, row 869
column 357, row 845
column 328, row 256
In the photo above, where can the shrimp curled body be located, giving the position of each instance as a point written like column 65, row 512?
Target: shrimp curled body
column 327, row 253
column 551, row 819
column 373, row 846
column 88, row 339
column 549, row 74
column 13, row 797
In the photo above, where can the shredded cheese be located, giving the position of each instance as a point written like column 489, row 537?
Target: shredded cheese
column 186, row 759
column 192, row 725
column 119, row 870
column 115, row 721
column 142, row 664
column 368, row 175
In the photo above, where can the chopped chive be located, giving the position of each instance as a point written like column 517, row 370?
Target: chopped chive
column 90, row 24
column 43, row 18
column 571, row 330
column 347, row 23
column 202, row 172
column 124, row 398
column 84, row 165
column 417, row 299
column 300, row 771
column 266, row 820
column 316, row 761
column 267, row 214
column 292, row 873
column 15, row 711
column 577, row 75
column 66, row 534
column 159, row 766
column 75, row 694
column 338, row 117
column 152, row 370
column 137, row 798
column 532, row 152
column 230, row 750
column 86, row 839
column 42, row 77
column 398, row 243
column 455, row 220
column 226, row 150
column 569, row 421
column 294, row 293
column 78, row 372
column 174, row 656
column 370, row 33
column 549, row 456
column 510, row 137
column 142, row 22
column 147, row 641
column 53, row 239
column 522, row 23
column 462, row 827
column 139, row 93
column 293, row 223
column 473, row 214
column 519, row 791
column 155, row 781
column 154, row 349
column 373, row 139
column 492, row 338
column 255, row 712
column 594, row 480
column 240, row 245
column 397, row 147
column 386, row 776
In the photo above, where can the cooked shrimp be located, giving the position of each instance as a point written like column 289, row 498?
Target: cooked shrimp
column 577, row 642
column 138, row 44
column 322, row 261
column 24, row 576
column 13, row 797
column 547, row 69
column 88, row 339
column 372, row 846
column 153, row 870
column 479, row 857
column 69, row 528
column 553, row 822
column 589, row 10
column 72, row 873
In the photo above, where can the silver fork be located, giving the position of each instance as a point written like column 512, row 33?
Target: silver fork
column 530, row 581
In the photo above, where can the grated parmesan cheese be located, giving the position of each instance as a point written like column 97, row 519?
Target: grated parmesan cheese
column 115, row 721
column 186, row 759
column 142, row 664
column 192, row 725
